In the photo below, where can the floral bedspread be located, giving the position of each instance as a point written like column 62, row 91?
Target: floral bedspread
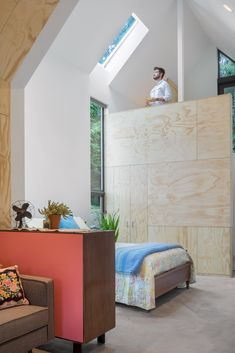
column 139, row 290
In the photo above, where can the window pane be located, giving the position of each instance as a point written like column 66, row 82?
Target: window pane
column 96, row 209
column 96, row 145
column 226, row 66
column 231, row 90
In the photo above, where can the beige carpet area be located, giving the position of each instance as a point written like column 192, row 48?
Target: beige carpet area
column 201, row 319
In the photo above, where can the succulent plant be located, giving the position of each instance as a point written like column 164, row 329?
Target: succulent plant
column 56, row 208
column 110, row 221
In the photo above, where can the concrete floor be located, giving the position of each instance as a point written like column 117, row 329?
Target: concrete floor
column 201, row 319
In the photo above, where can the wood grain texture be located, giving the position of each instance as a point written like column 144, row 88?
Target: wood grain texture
column 214, row 251
column 192, row 244
column 99, row 284
column 214, row 127
column 190, row 193
column 4, row 98
column 186, row 150
column 5, row 194
column 152, row 134
column 126, row 138
column 139, row 204
column 20, row 31
column 185, row 236
column 122, row 201
column 209, row 247
column 6, row 8
column 172, row 132
column 109, row 189
column 20, row 23
column 164, row 234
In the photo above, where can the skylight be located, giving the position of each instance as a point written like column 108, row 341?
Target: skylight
column 122, row 47
column 132, row 20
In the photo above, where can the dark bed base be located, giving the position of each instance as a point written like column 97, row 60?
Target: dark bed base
column 171, row 279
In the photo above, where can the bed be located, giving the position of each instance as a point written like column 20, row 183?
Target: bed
column 159, row 273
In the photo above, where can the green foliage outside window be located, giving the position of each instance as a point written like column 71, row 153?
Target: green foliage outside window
column 231, row 90
column 96, row 148
column 96, row 130
column 227, row 74
column 226, row 66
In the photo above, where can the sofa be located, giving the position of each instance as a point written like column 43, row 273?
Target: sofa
column 23, row 327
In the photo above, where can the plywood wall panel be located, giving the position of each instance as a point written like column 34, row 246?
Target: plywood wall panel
column 171, row 132
column 186, row 150
column 163, row 234
column 122, row 201
column 150, row 135
column 109, row 189
column 190, row 193
column 6, row 8
column 139, row 204
column 19, row 33
column 20, row 23
column 214, row 127
column 126, row 139
column 4, row 170
column 214, row 251
column 4, row 98
column 192, row 244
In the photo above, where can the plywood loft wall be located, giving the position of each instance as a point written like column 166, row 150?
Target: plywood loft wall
column 20, row 23
column 168, row 172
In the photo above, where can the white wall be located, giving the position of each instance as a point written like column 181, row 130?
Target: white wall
column 201, row 81
column 101, row 91
column 57, row 161
column 200, row 58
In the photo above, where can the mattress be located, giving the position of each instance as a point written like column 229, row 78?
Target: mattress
column 139, row 290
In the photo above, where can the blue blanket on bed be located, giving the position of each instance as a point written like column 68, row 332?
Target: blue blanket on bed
column 128, row 258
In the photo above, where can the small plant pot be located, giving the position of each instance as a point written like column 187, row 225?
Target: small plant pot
column 54, row 221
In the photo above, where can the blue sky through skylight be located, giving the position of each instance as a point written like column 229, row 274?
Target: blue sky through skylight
column 129, row 23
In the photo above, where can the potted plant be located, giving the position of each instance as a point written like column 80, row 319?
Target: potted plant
column 110, row 221
column 54, row 211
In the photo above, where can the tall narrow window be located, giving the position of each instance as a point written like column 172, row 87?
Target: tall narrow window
column 226, row 82
column 97, row 158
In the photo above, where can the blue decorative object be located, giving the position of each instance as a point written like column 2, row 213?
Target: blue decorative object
column 68, row 223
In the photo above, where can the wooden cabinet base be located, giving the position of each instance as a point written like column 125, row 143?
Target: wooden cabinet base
column 82, row 266
column 77, row 347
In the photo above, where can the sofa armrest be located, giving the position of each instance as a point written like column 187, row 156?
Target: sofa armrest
column 40, row 291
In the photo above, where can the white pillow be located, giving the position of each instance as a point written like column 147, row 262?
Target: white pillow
column 35, row 223
column 81, row 224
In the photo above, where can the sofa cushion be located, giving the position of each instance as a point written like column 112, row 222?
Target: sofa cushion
column 20, row 320
column 11, row 289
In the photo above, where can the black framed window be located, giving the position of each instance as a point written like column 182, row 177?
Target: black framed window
column 226, row 82
column 97, row 110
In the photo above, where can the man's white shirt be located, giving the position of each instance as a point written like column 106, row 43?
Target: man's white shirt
column 162, row 89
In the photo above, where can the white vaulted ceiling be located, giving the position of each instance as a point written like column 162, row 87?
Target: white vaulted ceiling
column 93, row 24
column 218, row 23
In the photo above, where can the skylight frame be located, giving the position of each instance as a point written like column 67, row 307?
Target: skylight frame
column 111, row 55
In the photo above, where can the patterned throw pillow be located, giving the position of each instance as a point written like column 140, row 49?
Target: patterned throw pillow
column 11, row 289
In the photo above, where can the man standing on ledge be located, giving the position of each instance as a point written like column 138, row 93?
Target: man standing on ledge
column 161, row 92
